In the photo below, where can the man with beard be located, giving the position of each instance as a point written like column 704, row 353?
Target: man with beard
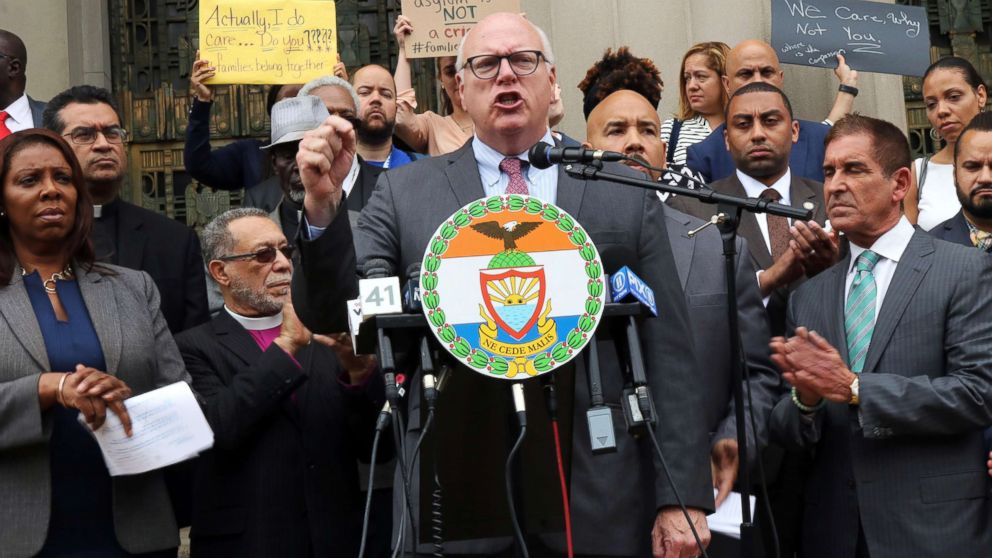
column 291, row 412
column 377, row 118
column 626, row 122
column 123, row 233
column 341, row 100
column 972, row 226
column 291, row 118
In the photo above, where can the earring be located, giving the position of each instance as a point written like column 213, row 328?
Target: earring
column 934, row 135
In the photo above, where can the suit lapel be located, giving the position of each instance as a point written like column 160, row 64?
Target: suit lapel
column 909, row 274
column 98, row 294
column 16, row 309
column 236, row 338
column 131, row 238
column 683, row 246
column 570, row 192
column 834, row 305
column 463, row 176
column 749, row 228
column 801, row 192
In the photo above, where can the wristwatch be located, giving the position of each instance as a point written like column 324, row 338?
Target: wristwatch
column 855, row 385
column 844, row 88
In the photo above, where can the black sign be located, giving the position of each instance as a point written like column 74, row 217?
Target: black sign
column 873, row 37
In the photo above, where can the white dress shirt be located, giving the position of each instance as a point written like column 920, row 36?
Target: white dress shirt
column 753, row 188
column 20, row 115
column 890, row 246
column 541, row 183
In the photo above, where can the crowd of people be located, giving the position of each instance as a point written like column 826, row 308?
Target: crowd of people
column 865, row 331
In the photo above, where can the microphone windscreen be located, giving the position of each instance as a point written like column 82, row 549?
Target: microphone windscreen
column 375, row 268
column 538, row 155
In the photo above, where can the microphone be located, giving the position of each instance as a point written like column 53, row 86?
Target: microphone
column 542, row 155
column 411, row 290
column 379, row 292
column 626, row 283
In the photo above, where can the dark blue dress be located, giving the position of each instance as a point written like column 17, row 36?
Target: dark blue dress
column 82, row 521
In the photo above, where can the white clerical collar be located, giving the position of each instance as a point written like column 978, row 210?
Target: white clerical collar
column 256, row 324
column 97, row 211
column 755, row 188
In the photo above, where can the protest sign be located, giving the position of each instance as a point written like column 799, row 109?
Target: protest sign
column 268, row 41
column 439, row 25
column 872, row 36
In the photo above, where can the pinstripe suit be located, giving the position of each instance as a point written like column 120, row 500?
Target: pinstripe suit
column 139, row 349
column 908, row 461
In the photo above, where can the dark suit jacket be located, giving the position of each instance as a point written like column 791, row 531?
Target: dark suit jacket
column 801, row 191
column 37, row 112
column 909, row 460
column 702, row 274
column 240, row 164
column 954, row 230
column 628, row 228
column 282, row 478
column 711, row 158
column 170, row 253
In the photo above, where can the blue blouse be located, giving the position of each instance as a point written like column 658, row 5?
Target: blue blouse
column 82, row 521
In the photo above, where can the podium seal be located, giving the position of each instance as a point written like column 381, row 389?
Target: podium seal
column 512, row 286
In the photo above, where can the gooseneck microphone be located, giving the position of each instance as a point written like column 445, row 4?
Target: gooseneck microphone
column 542, row 155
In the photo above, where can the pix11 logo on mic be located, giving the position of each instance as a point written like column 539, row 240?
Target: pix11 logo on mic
column 512, row 286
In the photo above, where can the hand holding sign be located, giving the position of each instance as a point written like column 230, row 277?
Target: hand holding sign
column 435, row 27
column 268, row 41
column 874, row 36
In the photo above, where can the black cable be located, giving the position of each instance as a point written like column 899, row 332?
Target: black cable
column 671, row 482
column 518, row 533
column 381, row 423
column 437, row 516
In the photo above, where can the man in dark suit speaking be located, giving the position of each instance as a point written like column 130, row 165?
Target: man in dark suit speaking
column 506, row 76
column 891, row 363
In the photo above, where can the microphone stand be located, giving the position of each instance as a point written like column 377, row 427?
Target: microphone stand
column 727, row 219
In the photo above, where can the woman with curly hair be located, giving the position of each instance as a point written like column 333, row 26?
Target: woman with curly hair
column 620, row 70
column 702, row 99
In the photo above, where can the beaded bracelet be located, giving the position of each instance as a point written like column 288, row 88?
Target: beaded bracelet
column 806, row 408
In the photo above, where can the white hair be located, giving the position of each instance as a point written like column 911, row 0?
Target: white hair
column 331, row 81
column 549, row 55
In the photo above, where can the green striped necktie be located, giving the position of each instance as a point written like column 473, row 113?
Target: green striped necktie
column 859, row 312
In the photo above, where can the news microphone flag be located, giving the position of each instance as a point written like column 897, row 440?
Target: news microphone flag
column 626, row 283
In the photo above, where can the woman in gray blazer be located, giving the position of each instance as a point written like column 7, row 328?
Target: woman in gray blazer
column 75, row 338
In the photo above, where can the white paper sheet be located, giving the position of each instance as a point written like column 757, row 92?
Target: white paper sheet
column 168, row 427
column 726, row 520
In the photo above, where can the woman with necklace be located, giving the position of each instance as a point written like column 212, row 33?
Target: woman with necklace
column 77, row 338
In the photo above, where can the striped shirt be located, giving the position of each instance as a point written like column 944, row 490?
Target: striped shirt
column 694, row 130
column 541, row 183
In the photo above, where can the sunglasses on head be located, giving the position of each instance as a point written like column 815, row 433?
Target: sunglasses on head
column 265, row 255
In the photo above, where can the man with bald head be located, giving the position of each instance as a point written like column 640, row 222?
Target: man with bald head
column 752, row 61
column 17, row 110
column 506, row 77
column 626, row 122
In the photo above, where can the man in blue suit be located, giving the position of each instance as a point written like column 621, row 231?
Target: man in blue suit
column 752, row 61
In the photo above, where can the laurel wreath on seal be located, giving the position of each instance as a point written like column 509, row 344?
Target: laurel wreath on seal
column 576, row 338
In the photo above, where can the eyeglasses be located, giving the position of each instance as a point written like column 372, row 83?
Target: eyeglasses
column 264, row 256
column 522, row 63
column 85, row 135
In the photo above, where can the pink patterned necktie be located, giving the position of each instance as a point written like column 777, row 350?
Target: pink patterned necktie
column 517, row 185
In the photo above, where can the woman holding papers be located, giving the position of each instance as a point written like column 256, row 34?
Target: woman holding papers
column 77, row 339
